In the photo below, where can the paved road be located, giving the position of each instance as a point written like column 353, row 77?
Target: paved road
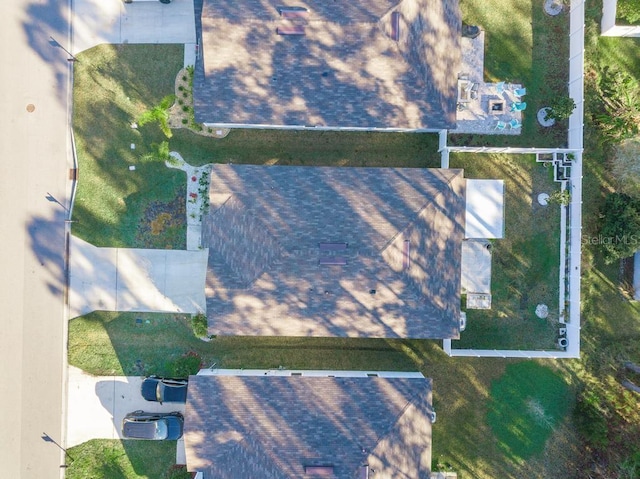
column 34, row 154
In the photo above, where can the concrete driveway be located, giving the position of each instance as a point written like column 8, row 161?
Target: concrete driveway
column 121, row 279
column 97, row 405
column 113, row 21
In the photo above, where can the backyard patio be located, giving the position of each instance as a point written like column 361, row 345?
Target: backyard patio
column 487, row 108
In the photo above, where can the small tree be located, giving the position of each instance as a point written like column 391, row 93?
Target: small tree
column 620, row 96
column 620, row 227
column 560, row 198
column 561, row 108
column 159, row 114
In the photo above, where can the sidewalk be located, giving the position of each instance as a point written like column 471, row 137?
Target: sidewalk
column 116, row 22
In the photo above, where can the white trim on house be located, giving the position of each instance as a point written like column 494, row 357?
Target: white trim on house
column 316, row 127
column 309, row 373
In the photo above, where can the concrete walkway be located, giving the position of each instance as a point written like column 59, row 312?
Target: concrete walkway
column 116, row 22
column 120, row 279
column 100, row 404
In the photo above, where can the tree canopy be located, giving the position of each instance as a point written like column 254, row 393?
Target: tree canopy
column 620, row 228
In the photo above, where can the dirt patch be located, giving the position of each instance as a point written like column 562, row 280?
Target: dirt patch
column 163, row 224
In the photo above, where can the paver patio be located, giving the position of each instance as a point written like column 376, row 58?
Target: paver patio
column 475, row 115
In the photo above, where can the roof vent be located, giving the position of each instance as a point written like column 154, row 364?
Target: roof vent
column 406, row 257
column 293, row 12
column 290, row 30
column 395, row 26
column 319, row 471
column 335, row 260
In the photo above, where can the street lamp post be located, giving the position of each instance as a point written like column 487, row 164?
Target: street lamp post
column 54, row 43
column 47, row 438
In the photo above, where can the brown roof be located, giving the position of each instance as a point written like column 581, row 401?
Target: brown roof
column 344, row 70
column 271, row 427
column 394, row 270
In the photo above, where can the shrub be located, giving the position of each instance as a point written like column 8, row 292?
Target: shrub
column 199, row 325
column 186, row 365
column 620, row 95
column 561, row 108
column 629, row 10
column 159, row 114
column 620, row 227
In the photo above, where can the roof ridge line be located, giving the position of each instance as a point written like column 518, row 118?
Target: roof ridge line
column 426, row 205
column 410, row 402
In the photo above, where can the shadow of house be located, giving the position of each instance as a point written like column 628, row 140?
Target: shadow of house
column 294, row 426
column 320, row 251
column 373, row 65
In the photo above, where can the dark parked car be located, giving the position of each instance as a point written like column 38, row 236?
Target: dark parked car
column 162, row 390
column 153, row 425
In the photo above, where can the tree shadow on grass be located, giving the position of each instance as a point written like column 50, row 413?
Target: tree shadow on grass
column 526, row 404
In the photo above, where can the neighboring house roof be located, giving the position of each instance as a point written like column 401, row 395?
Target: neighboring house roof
column 344, row 71
column 271, row 427
column 320, row 251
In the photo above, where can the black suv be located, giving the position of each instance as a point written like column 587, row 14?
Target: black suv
column 153, row 425
column 159, row 389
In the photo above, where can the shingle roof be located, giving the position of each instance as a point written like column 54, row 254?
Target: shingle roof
column 398, row 274
column 271, row 427
column 345, row 71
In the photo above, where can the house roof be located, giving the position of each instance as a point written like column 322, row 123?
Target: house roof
column 272, row 427
column 321, row 251
column 345, row 70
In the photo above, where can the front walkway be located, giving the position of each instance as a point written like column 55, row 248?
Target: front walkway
column 121, row 279
column 113, row 21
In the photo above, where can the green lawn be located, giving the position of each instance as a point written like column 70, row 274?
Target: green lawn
column 112, row 343
column 525, row 265
column 522, row 45
column 527, row 403
column 114, row 206
column 112, row 459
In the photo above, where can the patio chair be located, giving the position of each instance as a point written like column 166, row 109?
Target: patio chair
column 515, row 124
column 474, row 90
column 520, row 92
column 500, row 125
column 519, row 106
column 500, row 87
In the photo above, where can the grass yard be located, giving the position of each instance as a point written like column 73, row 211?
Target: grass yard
column 522, row 45
column 525, row 265
column 114, row 206
column 527, row 402
column 113, row 459
column 111, row 343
